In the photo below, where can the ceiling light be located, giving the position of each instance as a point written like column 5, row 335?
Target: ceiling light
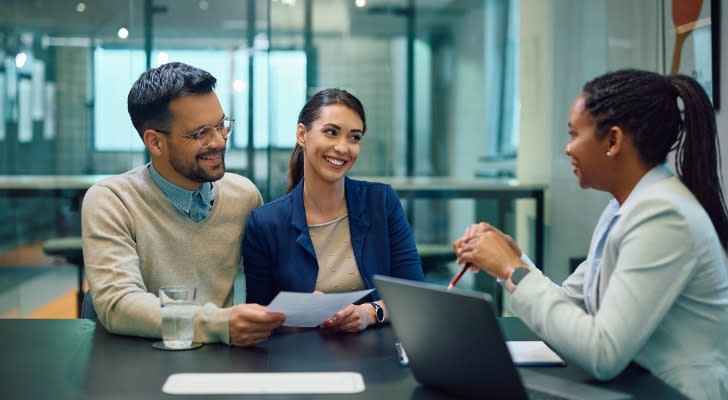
column 360, row 3
column 123, row 33
column 81, row 7
column 162, row 58
column 239, row 86
column 20, row 59
column 260, row 42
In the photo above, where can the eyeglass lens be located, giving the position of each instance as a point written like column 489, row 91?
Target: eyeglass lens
column 205, row 137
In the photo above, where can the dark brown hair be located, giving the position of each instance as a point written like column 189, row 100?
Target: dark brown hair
column 310, row 113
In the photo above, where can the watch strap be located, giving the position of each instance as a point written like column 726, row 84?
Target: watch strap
column 518, row 274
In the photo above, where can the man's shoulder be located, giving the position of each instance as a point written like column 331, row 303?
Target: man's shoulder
column 136, row 177
column 236, row 180
column 238, row 184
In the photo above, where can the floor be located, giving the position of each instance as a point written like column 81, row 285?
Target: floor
column 33, row 285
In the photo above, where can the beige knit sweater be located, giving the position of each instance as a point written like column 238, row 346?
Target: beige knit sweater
column 135, row 241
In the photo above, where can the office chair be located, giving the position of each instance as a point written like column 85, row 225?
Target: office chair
column 71, row 250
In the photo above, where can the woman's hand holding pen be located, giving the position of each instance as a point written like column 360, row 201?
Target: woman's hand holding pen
column 488, row 248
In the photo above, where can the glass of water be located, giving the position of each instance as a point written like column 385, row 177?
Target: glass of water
column 178, row 315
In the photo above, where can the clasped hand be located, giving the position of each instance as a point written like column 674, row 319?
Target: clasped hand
column 489, row 249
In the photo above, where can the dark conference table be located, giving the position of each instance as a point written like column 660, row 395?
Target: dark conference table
column 78, row 359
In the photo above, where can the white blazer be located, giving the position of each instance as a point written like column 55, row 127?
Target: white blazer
column 662, row 297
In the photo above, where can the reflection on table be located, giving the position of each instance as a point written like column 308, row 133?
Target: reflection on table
column 78, row 359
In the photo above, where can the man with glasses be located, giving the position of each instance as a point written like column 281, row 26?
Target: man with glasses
column 178, row 220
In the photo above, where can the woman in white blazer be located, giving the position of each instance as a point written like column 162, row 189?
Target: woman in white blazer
column 654, row 287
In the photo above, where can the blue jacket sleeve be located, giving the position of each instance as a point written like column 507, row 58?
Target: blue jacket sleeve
column 260, row 286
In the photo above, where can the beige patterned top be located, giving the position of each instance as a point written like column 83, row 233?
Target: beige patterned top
column 337, row 266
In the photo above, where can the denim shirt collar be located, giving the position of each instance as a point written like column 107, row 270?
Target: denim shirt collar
column 195, row 204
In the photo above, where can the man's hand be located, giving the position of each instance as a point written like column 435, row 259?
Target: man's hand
column 251, row 324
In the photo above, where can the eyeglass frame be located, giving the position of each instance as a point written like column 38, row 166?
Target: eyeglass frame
column 202, row 132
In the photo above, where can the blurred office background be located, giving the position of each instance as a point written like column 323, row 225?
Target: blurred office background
column 466, row 89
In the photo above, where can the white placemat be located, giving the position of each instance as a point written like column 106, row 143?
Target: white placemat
column 263, row 383
column 536, row 352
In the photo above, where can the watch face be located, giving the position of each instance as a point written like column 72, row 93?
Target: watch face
column 518, row 274
column 378, row 311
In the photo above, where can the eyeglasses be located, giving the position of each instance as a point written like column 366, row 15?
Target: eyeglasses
column 205, row 135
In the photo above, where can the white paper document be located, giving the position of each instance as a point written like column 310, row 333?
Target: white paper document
column 533, row 353
column 264, row 383
column 307, row 310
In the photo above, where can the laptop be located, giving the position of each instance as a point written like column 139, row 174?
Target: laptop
column 454, row 343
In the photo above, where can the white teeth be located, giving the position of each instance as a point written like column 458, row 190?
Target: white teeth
column 338, row 163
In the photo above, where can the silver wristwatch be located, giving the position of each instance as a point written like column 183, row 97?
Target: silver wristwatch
column 378, row 312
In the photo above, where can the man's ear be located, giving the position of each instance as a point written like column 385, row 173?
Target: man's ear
column 301, row 135
column 155, row 143
column 616, row 140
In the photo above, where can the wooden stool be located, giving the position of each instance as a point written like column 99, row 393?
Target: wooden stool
column 69, row 248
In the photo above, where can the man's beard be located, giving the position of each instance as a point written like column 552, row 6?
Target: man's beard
column 194, row 173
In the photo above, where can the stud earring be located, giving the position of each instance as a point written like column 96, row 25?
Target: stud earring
column 609, row 154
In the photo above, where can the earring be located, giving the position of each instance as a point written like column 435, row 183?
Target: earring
column 609, row 154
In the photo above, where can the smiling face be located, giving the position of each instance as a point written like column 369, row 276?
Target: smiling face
column 588, row 152
column 179, row 158
column 332, row 145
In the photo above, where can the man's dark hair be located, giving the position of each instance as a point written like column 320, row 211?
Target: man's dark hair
column 149, row 97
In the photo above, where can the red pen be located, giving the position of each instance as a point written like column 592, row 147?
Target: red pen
column 457, row 277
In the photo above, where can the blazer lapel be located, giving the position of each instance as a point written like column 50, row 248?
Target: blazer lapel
column 358, row 218
column 298, row 220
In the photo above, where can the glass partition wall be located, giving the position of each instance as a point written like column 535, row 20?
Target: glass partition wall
column 437, row 79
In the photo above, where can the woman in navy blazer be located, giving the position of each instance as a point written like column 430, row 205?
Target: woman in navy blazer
column 359, row 225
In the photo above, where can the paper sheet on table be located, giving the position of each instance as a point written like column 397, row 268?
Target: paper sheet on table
column 264, row 383
column 308, row 310
column 533, row 353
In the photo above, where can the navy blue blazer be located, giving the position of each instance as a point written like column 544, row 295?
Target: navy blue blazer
column 278, row 254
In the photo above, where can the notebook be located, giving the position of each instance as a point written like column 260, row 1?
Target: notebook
column 454, row 343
